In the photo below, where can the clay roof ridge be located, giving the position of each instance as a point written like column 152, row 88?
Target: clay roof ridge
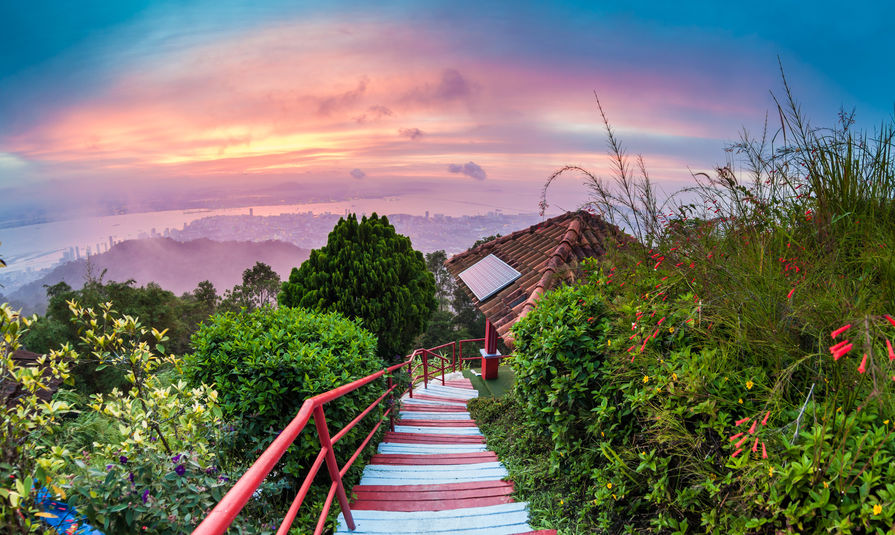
column 559, row 257
column 512, row 236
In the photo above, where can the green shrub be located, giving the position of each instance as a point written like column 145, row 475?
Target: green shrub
column 151, row 466
column 267, row 362
column 367, row 270
column 24, row 419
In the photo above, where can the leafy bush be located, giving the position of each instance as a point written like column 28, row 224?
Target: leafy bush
column 156, row 471
column 267, row 362
column 24, row 417
column 716, row 403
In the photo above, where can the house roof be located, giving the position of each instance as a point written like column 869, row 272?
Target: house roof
column 544, row 254
column 10, row 391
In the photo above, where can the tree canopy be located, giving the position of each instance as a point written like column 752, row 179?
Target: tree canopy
column 369, row 271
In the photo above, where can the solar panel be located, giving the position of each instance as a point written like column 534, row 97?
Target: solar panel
column 488, row 276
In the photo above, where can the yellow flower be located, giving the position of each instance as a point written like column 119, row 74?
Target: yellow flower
column 609, row 485
column 771, row 471
column 671, row 329
column 877, row 509
column 602, row 434
column 608, row 342
column 613, row 497
column 885, row 422
column 740, row 401
column 658, row 389
column 826, row 484
column 646, row 378
column 749, row 385
column 674, row 377
column 560, row 501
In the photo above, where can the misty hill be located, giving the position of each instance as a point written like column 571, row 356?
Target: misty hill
column 174, row 265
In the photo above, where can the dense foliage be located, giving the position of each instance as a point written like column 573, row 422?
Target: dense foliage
column 157, row 471
column 24, row 417
column 368, row 271
column 695, row 383
column 267, row 362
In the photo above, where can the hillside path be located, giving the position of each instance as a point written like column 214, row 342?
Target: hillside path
column 434, row 474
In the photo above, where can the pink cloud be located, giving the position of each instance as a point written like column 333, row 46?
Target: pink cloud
column 265, row 101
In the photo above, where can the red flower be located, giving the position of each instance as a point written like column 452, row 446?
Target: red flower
column 838, row 346
column 840, row 330
column 892, row 321
column 863, row 367
column 891, row 352
column 842, row 351
column 789, row 295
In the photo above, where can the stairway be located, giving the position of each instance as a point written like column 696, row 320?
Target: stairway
column 434, row 474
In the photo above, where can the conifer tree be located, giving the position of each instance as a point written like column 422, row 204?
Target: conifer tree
column 368, row 271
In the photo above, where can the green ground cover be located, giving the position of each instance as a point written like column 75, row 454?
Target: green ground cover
column 491, row 388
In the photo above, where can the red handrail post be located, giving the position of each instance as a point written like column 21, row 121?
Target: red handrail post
column 331, row 465
column 410, row 374
column 454, row 355
column 425, row 371
column 391, row 405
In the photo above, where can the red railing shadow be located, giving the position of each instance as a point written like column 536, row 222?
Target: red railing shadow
column 220, row 518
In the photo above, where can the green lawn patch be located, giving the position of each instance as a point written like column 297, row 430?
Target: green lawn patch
column 491, row 388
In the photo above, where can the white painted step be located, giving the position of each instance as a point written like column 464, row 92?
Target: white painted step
column 389, row 474
column 429, row 449
column 504, row 519
column 420, row 415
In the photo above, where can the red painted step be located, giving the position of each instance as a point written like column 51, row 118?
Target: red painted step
column 453, row 458
column 437, row 423
column 432, row 497
column 424, row 438
column 468, row 485
column 430, row 397
column 440, row 504
column 432, row 494
column 539, row 532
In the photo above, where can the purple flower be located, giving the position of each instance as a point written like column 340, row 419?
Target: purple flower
column 223, row 478
column 108, row 467
column 145, row 495
column 123, row 459
column 130, row 477
column 180, row 470
column 176, row 458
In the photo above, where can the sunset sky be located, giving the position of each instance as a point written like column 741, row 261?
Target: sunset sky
column 124, row 96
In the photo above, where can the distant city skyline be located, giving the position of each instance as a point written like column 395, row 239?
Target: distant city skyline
column 108, row 103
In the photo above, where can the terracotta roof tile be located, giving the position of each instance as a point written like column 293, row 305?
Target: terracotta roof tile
column 544, row 254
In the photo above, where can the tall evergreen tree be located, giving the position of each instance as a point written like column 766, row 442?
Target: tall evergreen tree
column 368, row 271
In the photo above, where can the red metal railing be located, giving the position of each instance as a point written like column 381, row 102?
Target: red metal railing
column 469, row 341
column 220, row 518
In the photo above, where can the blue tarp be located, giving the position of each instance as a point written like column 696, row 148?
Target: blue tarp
column 65, row 516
